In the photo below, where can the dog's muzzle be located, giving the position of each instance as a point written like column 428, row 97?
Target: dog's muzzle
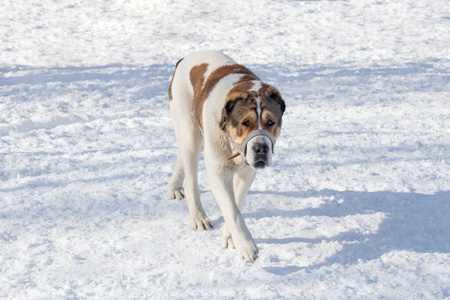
column 242, row 148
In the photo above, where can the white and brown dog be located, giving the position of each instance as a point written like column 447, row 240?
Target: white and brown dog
column 221, row 107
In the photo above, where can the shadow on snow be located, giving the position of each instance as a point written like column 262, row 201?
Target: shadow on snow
column 415, row 222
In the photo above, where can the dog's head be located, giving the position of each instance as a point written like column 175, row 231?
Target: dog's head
column 252, row 119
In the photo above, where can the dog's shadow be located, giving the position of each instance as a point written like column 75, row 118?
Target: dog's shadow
column 414, row 222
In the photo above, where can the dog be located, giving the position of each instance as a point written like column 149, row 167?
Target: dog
column 222, row 108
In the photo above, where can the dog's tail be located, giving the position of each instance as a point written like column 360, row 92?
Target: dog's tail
column 170, row 86
column 178, row 62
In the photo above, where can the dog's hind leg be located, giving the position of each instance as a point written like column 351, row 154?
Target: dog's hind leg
column 190, row 150
column 175, row 186
column 190, row 144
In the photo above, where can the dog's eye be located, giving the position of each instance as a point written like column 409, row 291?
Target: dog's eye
column 270, row 123
column 246, row 123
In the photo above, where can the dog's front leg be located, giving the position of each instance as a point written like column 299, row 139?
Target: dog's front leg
column 242, row 181
column 222, row 188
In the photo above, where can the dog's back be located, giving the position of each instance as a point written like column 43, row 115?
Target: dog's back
column 196, row 67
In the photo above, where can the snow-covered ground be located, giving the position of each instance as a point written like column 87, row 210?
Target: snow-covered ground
column 356, row 206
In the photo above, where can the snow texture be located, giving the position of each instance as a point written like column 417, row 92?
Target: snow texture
column 356, row 206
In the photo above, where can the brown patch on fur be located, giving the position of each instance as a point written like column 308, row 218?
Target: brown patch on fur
column 201, row 94
column 197, row 77
column 245, row 87
column 247, row 78
column 171, row 81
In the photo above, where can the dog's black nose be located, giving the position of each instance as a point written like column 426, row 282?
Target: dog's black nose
column 260, row 148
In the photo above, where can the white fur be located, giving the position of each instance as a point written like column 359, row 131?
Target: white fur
column 229, row 180
column 256, row 87
column 258, row 111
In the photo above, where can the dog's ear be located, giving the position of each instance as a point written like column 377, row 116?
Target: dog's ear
column 275, row 95
column 227, row 109
column 229, row 106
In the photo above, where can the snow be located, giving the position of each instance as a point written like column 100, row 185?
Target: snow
column 356, row 205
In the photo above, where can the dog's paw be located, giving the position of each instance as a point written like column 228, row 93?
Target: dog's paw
column 227, row 242
column 176, row 193
column 248, row 250
column 201, row 222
